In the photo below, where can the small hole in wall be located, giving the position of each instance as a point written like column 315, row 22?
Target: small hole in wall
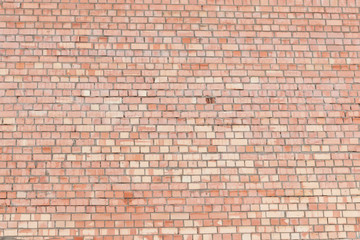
column 210, row 100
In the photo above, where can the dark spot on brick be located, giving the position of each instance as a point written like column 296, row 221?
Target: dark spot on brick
column 128, row 197
column 46, row 149
column 210, row 100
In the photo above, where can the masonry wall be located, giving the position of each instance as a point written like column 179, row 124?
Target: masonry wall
column 179, row 119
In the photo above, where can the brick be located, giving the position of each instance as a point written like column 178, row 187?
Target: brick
column 166, row 128
column 238, row 86
column 227, row 229
column 207, row 230
column 240, row 128
column 188, row 231
column 103, row 128
column 180, row 216
column 4, row 71
column 85, row 128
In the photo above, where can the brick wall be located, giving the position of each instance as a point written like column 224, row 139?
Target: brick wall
column 179, row 119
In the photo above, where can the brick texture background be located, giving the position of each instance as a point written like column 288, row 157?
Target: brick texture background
column 179, row 119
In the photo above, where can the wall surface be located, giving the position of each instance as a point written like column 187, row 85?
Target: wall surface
column 179, row 119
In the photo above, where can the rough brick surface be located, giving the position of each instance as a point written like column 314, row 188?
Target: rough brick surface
column 179, row 119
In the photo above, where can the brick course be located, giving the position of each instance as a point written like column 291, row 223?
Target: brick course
column 179, row 119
